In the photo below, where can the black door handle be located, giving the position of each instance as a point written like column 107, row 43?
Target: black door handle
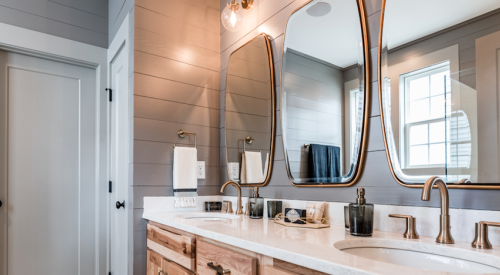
column 0, row 203
column 120, row 204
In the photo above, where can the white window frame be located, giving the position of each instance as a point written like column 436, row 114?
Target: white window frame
column 353, row 110
column 405, row 113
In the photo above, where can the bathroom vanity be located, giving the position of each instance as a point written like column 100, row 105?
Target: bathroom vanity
column 173, row 251
column 204, row 242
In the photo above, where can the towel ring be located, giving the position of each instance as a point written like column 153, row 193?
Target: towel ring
column 182, row 134
column 248, row 140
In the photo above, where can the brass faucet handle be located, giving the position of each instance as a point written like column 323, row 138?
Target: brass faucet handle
column 229, row 206
column 411, row 227
column 481, row 239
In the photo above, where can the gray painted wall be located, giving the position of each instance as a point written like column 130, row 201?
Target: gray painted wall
column 176, row 86
column 83, row 21
column 376, row 178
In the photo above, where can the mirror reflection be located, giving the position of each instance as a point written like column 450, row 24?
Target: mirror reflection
column 323, row 93
column 250, row 113
column 439, row 90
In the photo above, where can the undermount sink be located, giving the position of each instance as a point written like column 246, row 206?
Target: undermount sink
column 208, row 216
column 417, row 255
column 421, row 260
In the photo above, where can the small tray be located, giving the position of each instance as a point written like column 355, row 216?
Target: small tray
column 322, row 223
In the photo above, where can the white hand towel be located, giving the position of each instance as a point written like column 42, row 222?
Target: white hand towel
column 266, row 166
column 243, row 176
column 253, row 167
column 185, row 179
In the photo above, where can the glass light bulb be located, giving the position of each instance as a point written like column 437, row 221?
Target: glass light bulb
column 232, row 17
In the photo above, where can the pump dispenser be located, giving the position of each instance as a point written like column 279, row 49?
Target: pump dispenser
column 361, row 216
column 256, row 204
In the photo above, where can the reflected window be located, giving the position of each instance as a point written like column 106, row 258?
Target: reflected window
column 356, row 114
column 424, row 112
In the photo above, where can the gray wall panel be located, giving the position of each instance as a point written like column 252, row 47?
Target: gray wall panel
column 63, row 18
column 176, row 86
column 97, row 7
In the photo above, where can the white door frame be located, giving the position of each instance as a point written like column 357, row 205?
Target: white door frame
column 122, row 44
column 33, row 43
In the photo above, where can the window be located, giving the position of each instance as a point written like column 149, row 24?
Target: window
column 423, row 124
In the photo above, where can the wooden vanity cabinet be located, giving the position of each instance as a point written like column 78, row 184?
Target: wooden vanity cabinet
column 224, row 258
column 180, row 253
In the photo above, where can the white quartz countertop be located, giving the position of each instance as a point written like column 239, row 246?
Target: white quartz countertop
column 316, row 248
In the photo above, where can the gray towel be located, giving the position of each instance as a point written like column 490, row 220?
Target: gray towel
column 324, row 162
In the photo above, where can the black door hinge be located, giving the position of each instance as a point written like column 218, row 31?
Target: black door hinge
column 110, row 187
column 110, row 93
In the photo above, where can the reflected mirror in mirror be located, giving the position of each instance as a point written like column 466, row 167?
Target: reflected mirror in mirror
column 439, row 90
column 323, row 93
column 250, row 118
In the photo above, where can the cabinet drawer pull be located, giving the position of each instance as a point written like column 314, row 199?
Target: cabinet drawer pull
column 218, row 269
column 161, row 272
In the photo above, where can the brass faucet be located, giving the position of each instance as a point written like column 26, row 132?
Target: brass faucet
column 239, row 208
column 444, row 222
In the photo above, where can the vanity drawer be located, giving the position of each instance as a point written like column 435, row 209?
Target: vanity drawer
column 293, row 268
column 271, row 270
column 174, row 246
column 237, row 263
column 157, row 263
column 172, row 268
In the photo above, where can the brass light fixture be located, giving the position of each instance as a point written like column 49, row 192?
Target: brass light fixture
column 233, row 17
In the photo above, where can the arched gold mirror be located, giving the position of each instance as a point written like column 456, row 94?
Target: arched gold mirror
column 250, row 113
column 438, row 77
column 324, row 93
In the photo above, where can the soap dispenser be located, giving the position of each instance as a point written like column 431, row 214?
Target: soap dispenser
column 256, row 204
column 361, row 216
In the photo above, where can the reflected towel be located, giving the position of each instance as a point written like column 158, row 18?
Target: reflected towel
column 324, row 162
column 251, row 167
column 185, row 179
column 266, row 167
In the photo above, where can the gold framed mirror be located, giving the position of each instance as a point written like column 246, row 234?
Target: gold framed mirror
column 250, row 113
column 325, row 93
column 437, row 91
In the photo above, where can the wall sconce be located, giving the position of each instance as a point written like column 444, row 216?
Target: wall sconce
column 232, row 16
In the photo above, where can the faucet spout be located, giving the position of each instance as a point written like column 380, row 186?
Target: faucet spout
column 444, row 230
column 239, row 208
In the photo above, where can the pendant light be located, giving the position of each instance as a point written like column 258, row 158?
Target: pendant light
column 232, row 16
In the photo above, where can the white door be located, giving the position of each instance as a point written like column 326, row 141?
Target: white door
column 48, row 152
column 120, row 218
column 488, row 97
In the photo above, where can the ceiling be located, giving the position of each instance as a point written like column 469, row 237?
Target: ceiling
column 408, row 20
column 334, row 38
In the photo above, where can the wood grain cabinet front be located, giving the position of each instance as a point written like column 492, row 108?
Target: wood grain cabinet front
column 172, row 245
column 157, row 265
column 223, row 259
column 153, row 263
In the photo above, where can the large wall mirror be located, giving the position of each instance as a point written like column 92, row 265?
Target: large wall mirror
column 439, row 91
column 324, row 95
column 250, row 113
